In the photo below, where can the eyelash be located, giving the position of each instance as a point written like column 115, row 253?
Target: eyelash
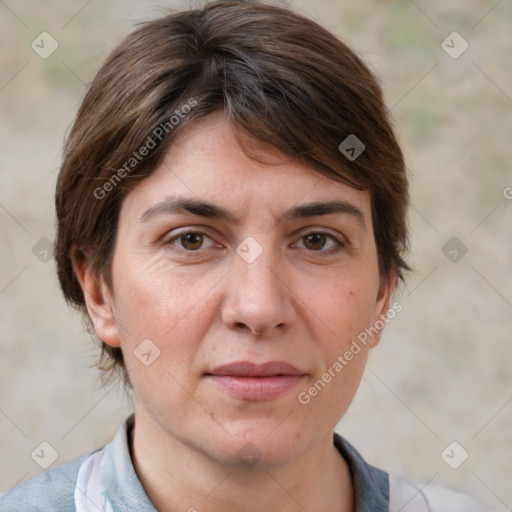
column 340, row 246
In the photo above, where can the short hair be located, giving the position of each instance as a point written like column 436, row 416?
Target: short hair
column 279, row 77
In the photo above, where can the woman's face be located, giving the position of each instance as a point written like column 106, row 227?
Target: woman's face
column 190, row 287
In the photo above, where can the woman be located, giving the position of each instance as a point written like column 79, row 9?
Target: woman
column 231, row 219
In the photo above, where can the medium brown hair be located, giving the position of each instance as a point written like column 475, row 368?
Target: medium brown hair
column 280, row 78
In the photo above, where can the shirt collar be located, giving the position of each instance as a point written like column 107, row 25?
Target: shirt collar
column 120, row 483
column 371, row 485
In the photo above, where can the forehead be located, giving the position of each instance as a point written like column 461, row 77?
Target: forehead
column 206, row 162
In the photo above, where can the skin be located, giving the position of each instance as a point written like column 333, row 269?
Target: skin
column 199, row 304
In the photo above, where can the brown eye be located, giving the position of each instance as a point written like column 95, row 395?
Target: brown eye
column 316, row 241
column 190, row 241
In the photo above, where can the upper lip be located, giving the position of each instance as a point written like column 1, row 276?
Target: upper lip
column 250, row 369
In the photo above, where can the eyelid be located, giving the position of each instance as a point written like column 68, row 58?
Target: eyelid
column 166, row 240
column 325, row 231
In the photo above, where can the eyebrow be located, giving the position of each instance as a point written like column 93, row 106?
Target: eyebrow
column 206, row 209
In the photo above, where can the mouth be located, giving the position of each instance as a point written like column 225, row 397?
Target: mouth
column 252, row 381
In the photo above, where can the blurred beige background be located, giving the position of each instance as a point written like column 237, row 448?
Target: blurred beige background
column 443, row 371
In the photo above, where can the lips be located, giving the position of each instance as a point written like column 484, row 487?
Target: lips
column 252, row 381
column 249, row 369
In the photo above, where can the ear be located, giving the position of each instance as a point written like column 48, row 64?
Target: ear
column 98, row 299
column 386, row 287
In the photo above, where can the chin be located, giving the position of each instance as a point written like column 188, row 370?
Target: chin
column 259, row 446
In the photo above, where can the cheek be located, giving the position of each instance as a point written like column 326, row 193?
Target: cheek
column 346, row 308
column 346, row 312
column 166, row 306
column 151, row 296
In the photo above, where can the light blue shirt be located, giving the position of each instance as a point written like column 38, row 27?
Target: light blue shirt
column 105, row 480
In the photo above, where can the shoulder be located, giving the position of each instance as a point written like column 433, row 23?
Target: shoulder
column 377, row 490
column 52, row 490
column 407, row 497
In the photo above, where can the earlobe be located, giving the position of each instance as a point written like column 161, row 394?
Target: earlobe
column 382, row 306
column 98, row 299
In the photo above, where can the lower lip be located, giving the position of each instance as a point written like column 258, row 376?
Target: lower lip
column 257, row 388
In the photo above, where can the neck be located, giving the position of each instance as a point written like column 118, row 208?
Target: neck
column 177, row 477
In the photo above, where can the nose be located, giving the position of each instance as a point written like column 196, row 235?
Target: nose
column 258, row 298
